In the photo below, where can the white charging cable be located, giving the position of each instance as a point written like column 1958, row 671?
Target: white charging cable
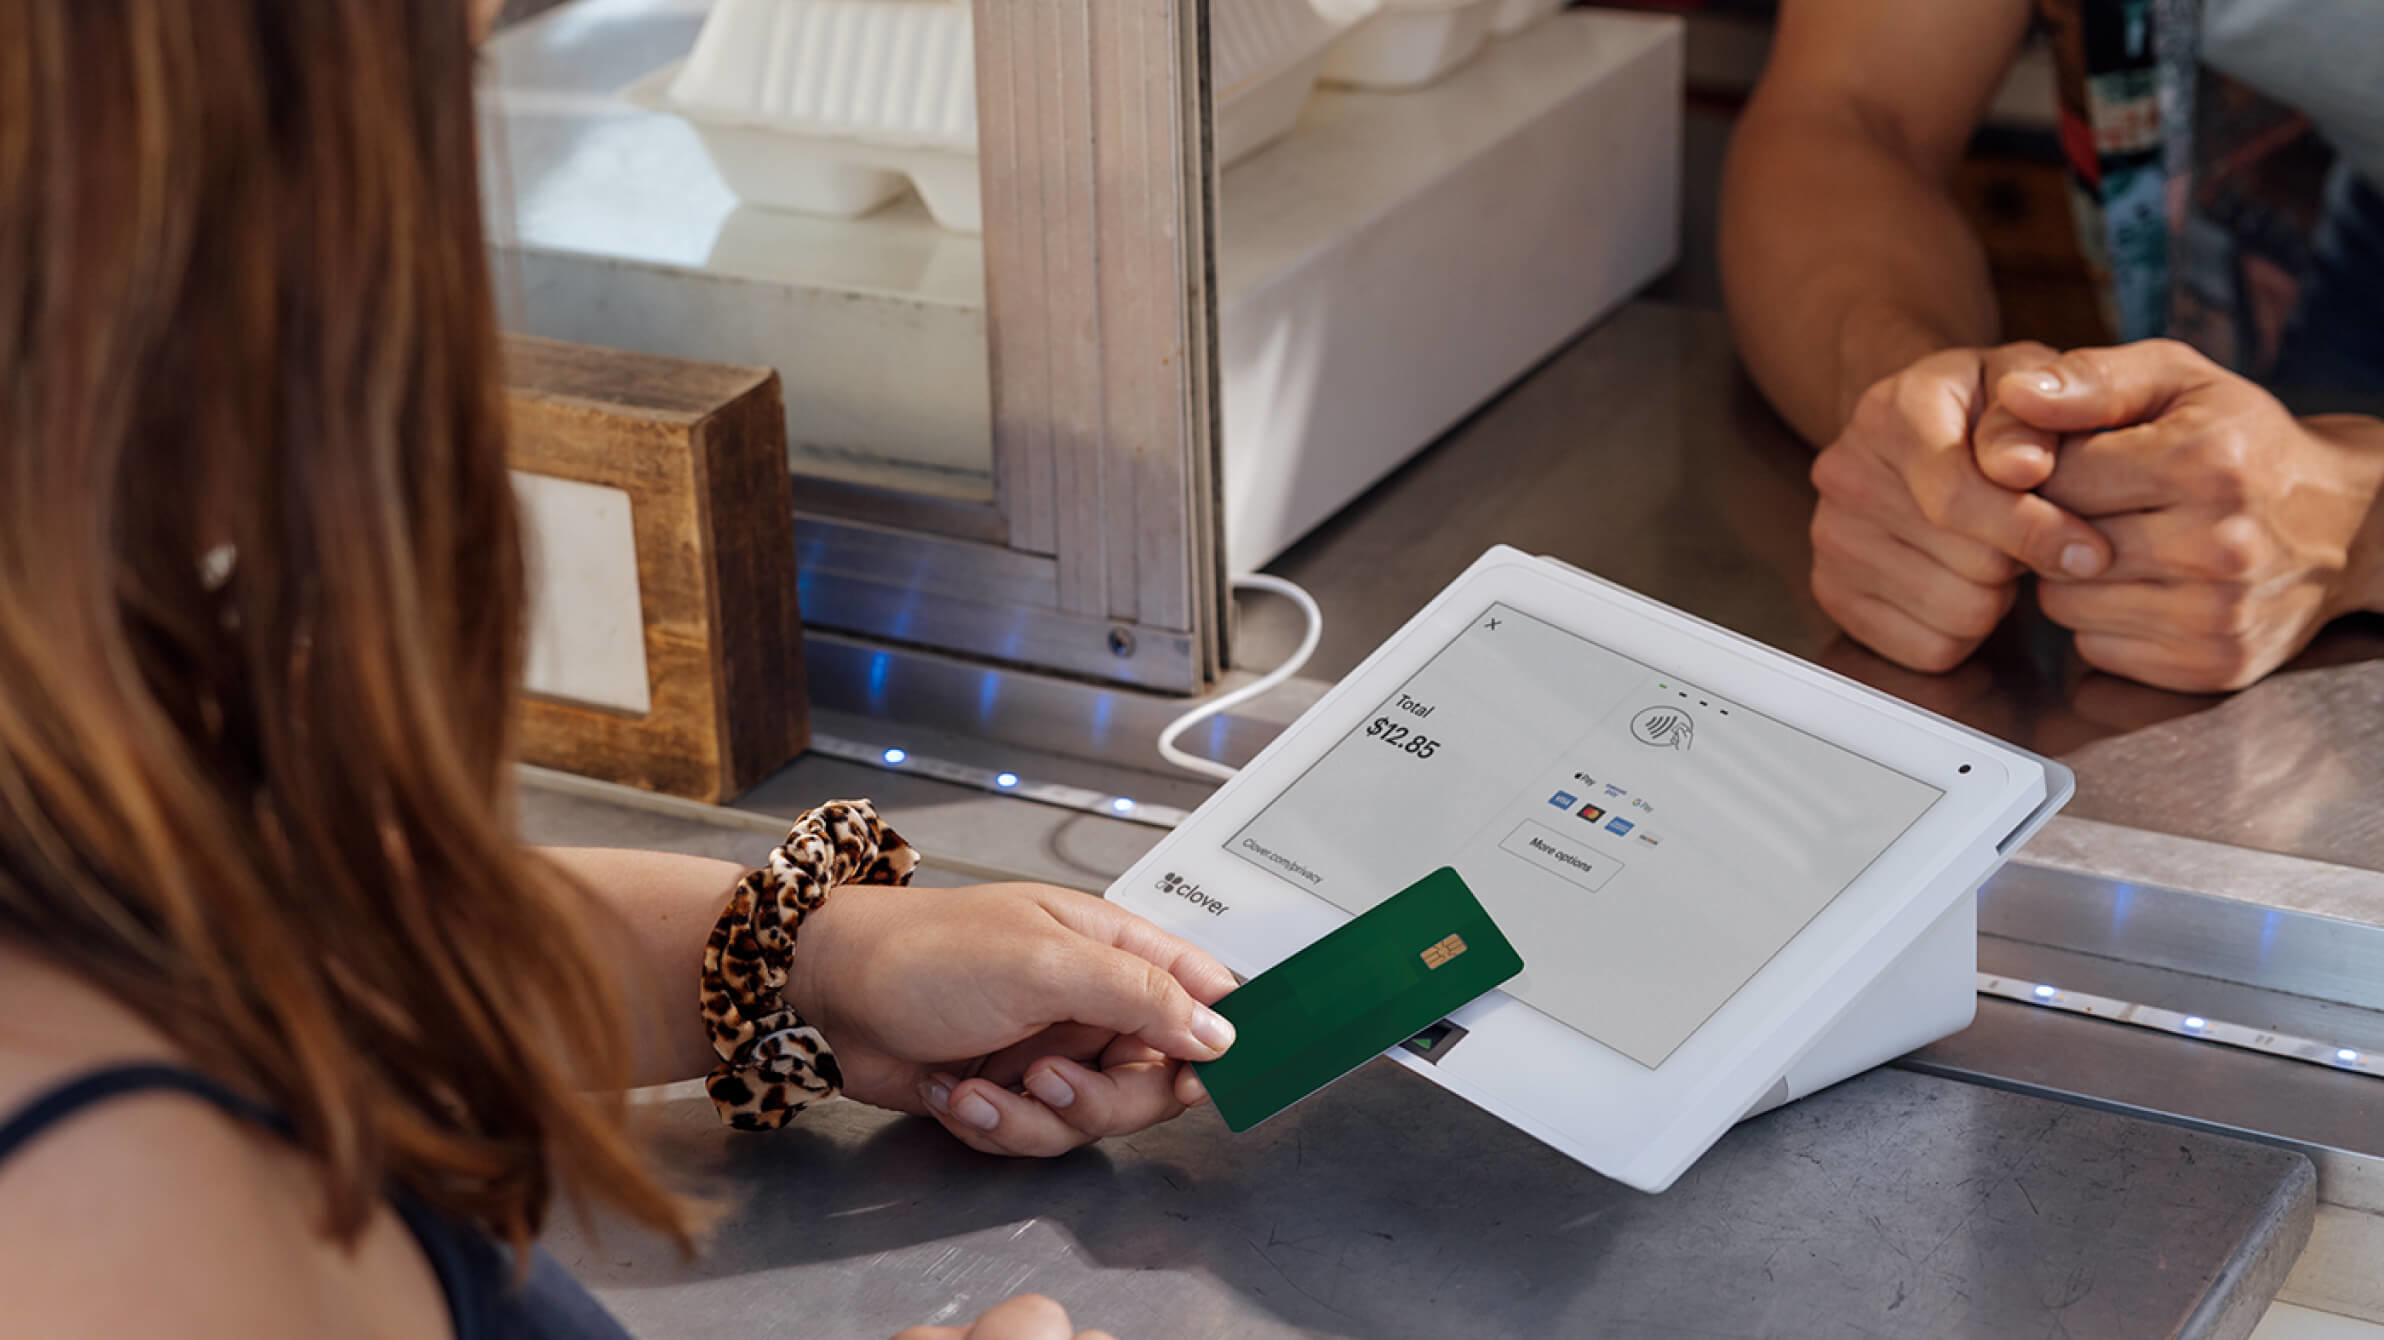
column 1256, row 581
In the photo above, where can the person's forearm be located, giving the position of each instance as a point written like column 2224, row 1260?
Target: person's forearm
column 1844, row 261
column 668, row 904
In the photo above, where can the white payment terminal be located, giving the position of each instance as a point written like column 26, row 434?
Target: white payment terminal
column 1733, row 877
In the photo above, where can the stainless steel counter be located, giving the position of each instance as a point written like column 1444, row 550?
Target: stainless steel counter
column 1896, row 1205
column 1893, row 1206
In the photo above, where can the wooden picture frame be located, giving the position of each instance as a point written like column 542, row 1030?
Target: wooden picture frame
column 699, row 450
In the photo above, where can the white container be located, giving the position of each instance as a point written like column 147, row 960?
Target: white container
column 898, row 72
column 1410, row 43
column 1265, row 56
column 834, row 106
column 1514, row 16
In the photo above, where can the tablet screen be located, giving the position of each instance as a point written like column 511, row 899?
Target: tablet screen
column 1646, row 845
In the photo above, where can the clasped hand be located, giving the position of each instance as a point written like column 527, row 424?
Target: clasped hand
column 2190, row 531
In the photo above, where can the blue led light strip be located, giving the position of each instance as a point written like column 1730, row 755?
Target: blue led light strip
column 2046, row 996
column 896, row 758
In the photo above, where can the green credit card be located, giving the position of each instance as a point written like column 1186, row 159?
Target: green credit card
column 1355, row 994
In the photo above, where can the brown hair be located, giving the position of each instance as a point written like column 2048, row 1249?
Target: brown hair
column 260, row 594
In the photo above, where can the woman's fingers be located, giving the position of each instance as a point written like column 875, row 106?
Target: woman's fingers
column 973, row 1112
column 1114, row 1100
column 1065, row 1104
column 993, row 1120
column 1077, row 1042
column 1188, row 1088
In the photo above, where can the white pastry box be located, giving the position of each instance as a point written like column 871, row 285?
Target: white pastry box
column 1383, row 268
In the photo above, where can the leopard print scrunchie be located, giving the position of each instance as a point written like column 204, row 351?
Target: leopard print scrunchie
column 772, row 1063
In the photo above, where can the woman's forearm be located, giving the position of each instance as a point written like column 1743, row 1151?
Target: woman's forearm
column 668, row 903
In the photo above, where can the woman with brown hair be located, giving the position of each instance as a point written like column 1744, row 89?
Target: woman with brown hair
column 296, row 1039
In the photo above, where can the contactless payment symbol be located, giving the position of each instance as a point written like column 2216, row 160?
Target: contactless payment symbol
column 1664, row 727
column 1562, row 800
column 1592, row 813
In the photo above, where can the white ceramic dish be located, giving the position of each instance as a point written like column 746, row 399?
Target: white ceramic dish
column 1411, row 43
column 1514, row 16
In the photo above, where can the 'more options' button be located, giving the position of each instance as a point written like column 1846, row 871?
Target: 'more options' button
column 1568, row 860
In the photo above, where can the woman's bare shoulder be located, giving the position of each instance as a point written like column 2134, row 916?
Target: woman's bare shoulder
column 149, row 1216
column 154, row 1213
column 136, row 1212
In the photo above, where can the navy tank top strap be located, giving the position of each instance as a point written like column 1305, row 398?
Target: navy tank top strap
column 476, row 1275
column 101, row 1086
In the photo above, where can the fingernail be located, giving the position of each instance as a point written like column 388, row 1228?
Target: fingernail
column 1190, row 1089
column 934, row 1095
column 2080, row 560
column 1214, row 1030
column 2045, row 382
column 1048, row 1086
column 976, row 1112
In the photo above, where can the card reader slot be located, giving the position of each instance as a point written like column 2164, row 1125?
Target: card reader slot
column 1435, row 1042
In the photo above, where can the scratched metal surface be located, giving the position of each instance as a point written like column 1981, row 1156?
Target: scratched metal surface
column 1897, row 1205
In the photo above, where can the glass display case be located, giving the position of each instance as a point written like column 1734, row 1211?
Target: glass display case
column 1003, row 441
column 1081, row 305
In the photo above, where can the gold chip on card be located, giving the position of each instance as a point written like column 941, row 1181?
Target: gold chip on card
column 1444, row 951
